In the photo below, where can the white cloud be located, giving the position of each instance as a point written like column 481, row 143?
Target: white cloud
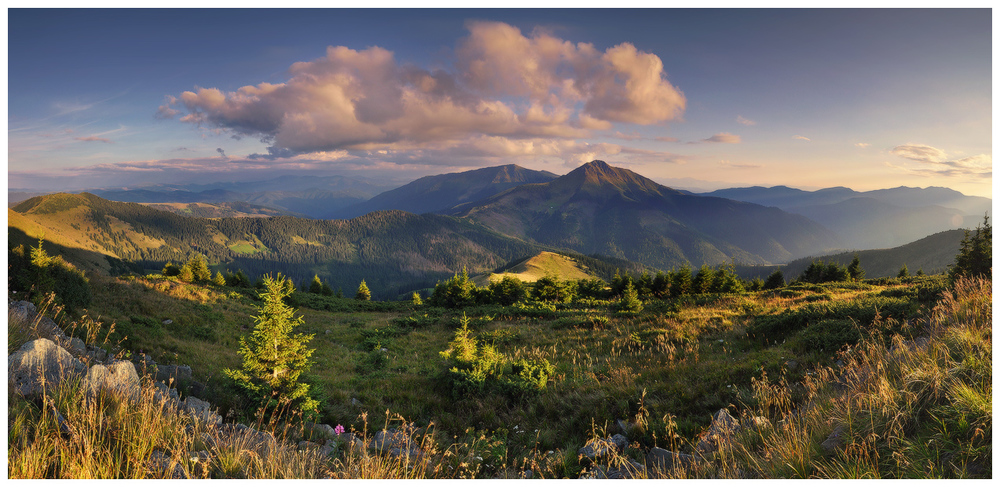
column 504, row 84
column 800, row 137
column 744, row 121
column 862, row 145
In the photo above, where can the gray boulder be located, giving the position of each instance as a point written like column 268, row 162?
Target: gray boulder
column 395, row 442
column 836, row 440
column 664, row 461
column 200, row 410
column 119, row 377
column 181, row 374
column 723, row 427
column 40, row 365
column 602, row 447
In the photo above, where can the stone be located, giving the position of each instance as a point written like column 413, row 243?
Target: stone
column 723, row 426
column 77, row 347
column 201, row 410
column 119, row 377
column 836, row 440
column 96, row 354
column 40, row 365
column 163, row 466
column 602, row 447
column 394, row 442
column 168, row 322
column 321, row 430
column 791, row 365
column 623, row 426
column 181, row 374
column 664, row 461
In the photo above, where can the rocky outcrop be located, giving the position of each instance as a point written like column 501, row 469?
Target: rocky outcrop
column 119, row 377
column 41, row 365
column 723, row 427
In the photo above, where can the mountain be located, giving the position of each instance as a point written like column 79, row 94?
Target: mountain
column 869, row 223
column 315, row 197
column 601, row 209
column 393, row 251
column 436, row 194
column 873, row 219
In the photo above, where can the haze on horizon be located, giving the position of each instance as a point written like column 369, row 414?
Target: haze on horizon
column 862, row 98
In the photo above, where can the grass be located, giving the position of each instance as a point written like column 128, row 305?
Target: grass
column 664, row 372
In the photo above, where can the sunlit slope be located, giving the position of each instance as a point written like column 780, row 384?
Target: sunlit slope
column 391, row 250
column 536, row 267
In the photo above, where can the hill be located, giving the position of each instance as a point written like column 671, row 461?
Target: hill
column 229, row 209
column 611, row 211
column 933, row 254
column 436, row 194
column 541, row 265
column 393, row 251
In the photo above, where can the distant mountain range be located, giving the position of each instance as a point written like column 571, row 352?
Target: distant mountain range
column 873, row 219
column 483, row 220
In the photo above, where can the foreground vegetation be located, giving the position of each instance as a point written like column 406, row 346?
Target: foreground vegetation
column 886, row 378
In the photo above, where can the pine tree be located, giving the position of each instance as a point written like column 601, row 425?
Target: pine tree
column 219, row 280
column 775, row 281
column 975, row 256
column 316, row 286
column 630, row 300
column 273, row 357
column 363, row 293
column 854, row 270
column 903, row 272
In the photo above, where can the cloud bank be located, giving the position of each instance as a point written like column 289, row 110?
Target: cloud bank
column 506, row 93
column 936, row 162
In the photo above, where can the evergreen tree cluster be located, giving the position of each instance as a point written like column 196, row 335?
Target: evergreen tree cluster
column 975, row 256
column 36, row 274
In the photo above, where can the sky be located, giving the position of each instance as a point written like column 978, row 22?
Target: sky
column 695, row 99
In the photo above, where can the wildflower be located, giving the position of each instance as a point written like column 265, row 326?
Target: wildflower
column 339, row 429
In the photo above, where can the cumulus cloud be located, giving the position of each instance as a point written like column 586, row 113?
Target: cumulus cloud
column 503, row 84
column 744, row 121
column 724, row 138
column 800, row 137
column 93, row 139
column 862, row 145
column 936, row 162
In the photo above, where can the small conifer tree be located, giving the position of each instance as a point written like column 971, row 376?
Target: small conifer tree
column 316, row 286
column 855, row 270
column 903, row 272
column 273, row 356
column 415, row 299
column 363, row 293
column 630, row 300
column 219, row 280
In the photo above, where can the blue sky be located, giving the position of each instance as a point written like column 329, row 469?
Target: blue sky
column 701, row 99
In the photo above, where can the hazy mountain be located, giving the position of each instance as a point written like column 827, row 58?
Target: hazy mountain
column 315, row 197
column 873, row 219
column 869, row 223
column 790, row 198
column 436, row 194
column 601, row 209
column 932, row 254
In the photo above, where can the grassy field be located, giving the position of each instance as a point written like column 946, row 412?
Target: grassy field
column 664, row 371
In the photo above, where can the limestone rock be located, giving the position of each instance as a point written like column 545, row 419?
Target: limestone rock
column 119, row 377
column 602, row 447
column 664, row 461
column 723, row 426
column 39, row 365
column 201, row 410
column 181, row 374
column 836, row 440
